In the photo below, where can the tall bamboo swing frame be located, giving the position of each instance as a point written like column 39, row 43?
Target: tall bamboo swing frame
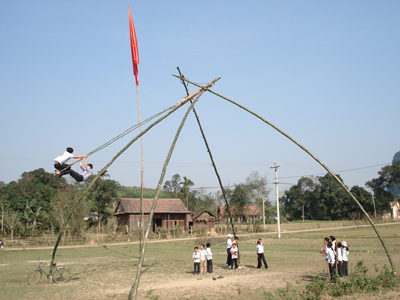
column 191, row 98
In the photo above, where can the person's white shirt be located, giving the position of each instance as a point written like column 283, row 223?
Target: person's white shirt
column 196, row 257
column 331, row 256
column 345, row 254
column 326, row 253
column 64, row 158
column 202, row 254
column 334, row 247
column 339, row 255
column 209, row 253
column 229, row 243
column 260, row 248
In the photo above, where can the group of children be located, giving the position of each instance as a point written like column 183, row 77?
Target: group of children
column 232, row 251
column 336, row 256
column 63, row 169
column 202, row 258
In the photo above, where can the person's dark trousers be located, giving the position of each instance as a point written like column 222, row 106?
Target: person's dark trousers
column 75, row 175
column 209, row 266
column 340, row 269
column 197, row 268
column 229, row 258
column 332, row 270
column 61, row 167
column 234, row 261
column 261, row 259
column 345, row 271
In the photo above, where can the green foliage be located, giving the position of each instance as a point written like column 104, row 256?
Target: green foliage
column 322, row 198
column 386, row 186
column 357, row 283
column 101, row 196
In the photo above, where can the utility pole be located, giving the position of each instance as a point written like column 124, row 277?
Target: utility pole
column 276, row 166
column 263, row 200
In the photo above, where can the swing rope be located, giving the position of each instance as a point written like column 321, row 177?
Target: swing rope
column 126, row 132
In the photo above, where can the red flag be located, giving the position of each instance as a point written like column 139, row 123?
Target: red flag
column 134, row 47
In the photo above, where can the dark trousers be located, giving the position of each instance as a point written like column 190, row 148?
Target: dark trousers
column 340, row 269
column 197, row 268
column 61, row 167
column 209, row 266
column 234, row 262
column 260, row 259
column 229, row 258
column 332, row 270
column 75, row 175
column 345, row 271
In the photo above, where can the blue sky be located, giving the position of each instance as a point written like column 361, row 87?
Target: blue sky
column 325, row 72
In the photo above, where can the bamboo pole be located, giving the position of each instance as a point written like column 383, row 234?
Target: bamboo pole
column 317, row 160
column 175, row 107
column 211, row 157
column 134, row 288
column 141, row 176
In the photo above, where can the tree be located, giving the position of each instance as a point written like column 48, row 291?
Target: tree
column 259, row 191
column 185, row 191
column 300, row 200
column 173, row 187
column 386, row 186
column 241, row 197
column 102, row 194
column 12, row 221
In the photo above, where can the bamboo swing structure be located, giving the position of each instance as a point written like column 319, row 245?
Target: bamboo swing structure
column 192, row 98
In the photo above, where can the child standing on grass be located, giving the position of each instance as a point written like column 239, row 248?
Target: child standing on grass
column 260, row 255
column 324, row 250
column 209, row 258
column 345, row 254
column 331, row 260
column 234, row 253
column 196, row 260
column 202, row 259
column 339, row 259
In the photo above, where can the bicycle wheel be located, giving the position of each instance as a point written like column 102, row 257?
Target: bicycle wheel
column 34, row 277
column 61, row 275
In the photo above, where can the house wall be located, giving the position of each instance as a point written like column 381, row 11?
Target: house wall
column 166, row 220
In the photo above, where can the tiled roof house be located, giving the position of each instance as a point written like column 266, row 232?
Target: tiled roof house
column 168, row 213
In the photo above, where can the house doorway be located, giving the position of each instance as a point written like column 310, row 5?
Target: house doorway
column 157, row 223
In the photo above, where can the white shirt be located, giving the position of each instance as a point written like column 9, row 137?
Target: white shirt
column 64, row 158
column 202, row 254
column 334, row 247
column 260, row 248
column 87, row 173
column 196, row 256
column 339, row 256
column 345, row 254
column 326, row 253
column 331, row 256
column 209, row 253
column 229, row 243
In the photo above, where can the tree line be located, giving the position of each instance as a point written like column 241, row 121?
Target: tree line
column 39, row 202
column 322, row 198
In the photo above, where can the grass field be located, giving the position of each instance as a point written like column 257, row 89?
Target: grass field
column 107, row 271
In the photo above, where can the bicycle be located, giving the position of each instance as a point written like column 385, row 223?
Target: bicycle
column 60, row 274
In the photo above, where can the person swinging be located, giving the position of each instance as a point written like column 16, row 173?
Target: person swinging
column 63, row 169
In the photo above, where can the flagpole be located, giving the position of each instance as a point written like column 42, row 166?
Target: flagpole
column 141, row 177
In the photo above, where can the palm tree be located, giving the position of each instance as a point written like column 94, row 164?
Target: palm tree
column 185, row 184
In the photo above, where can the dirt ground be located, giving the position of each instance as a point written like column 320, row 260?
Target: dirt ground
column 108, row 271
